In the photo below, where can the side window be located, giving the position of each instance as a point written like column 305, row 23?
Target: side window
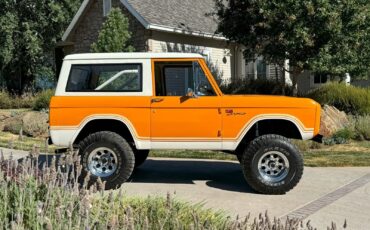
column 202, row 87
column 105, row 78
column 178, row 78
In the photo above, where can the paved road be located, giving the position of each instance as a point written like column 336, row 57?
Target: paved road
column 322, row 196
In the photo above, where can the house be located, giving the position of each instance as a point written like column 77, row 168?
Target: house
column 166, row 26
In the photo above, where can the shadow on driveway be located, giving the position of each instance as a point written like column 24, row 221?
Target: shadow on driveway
column 43, row 159
column 217, row 174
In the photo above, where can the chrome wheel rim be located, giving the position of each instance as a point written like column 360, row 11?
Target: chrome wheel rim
column 102, row 162
column 273, row 166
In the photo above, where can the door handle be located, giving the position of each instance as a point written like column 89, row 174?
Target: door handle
column 156, row 100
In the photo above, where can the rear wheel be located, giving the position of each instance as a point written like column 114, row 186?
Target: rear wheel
column 108, row 156
column 140, row 157
column 272, row 164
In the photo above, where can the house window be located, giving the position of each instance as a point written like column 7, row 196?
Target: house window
column 320, row 78
column 261, row 69
column 249, row 70
column 257, row 69
column 107, row 6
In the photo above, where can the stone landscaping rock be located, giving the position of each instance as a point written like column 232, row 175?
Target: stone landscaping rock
column 332, row 120
column 32, row 123
column 35, row 124
column 12, row 124
column 3, row 116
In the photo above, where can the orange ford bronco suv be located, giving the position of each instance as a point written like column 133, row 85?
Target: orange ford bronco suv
column 115, row 108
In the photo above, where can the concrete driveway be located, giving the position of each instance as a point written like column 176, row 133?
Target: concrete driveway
column 323, row 195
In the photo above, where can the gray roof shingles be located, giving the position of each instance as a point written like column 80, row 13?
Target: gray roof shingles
column 188, row 15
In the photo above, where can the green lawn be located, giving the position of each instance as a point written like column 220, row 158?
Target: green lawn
column 337, row 158
column 26, row 143
column 317, row 158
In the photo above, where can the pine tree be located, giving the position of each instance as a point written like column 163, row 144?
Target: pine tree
column 114, row 35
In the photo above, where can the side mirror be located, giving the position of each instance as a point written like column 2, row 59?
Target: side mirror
column 191, row 93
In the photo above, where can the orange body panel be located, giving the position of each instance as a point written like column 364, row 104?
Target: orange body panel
column 246, row 108
column 71, row 112
column 186, row 118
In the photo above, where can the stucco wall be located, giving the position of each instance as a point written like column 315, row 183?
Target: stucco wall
column 90, row 24
column 220, row 54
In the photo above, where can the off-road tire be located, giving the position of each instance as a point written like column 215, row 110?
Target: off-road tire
column 123, row 151
column 239, row 157
column 263, row 145
column 140, row 157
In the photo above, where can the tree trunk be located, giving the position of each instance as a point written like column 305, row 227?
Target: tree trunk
column 295, row 74
column 282, row 79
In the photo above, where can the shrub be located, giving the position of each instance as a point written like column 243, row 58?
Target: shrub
column 346, row 134
column 334, row 141
column 362, row 126
column 52, row 199
column 352, row 100
column 258, row 86
column 305, row 146
column 8, row 101
column 5, row 101
column 42, row 100
column 357, row 129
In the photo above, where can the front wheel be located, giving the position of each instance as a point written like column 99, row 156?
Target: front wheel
column 272, row 164
column 108, row 156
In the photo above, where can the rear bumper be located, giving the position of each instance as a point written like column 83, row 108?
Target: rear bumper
column 62, row 137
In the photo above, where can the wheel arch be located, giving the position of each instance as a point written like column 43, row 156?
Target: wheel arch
column 285, row 126
column 116, row 124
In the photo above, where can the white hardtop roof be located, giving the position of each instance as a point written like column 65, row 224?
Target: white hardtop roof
column 92, row 56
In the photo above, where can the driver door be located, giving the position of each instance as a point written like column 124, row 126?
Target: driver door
column 185, row 109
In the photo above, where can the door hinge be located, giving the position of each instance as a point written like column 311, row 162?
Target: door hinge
column 219, row 133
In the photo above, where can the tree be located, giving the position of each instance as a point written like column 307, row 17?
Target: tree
column 114, row 35
column 8, row 22
column 317, row 35
column 29, row 31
